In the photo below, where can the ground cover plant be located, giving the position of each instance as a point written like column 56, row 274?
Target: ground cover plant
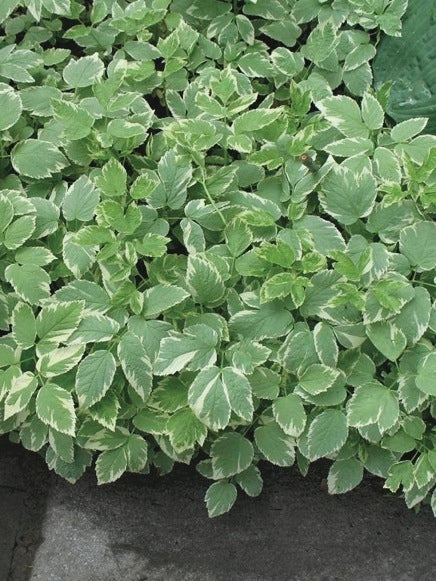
column 215, row 246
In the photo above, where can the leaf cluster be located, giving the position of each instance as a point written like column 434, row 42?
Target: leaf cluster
column 214, row 246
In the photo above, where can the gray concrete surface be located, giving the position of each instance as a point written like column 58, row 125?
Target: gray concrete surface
column 157, row 529
column 24, row 485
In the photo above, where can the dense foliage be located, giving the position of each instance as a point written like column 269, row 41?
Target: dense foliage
column 412, row 56
column 214, row 245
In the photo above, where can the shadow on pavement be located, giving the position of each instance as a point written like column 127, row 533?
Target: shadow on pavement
column 149, row 529
column 24, row 485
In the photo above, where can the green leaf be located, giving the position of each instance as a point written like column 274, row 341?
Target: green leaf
column 204, row 281
column 62, row 445
column 317, row 378
column 298, row 351
column 113, row 179
column 418, row 244
column 175, row 178
column 84, row 71
column 170, row 395
column 26, row 159
column 327, row 434
column 18, row 232
column 290, row 415
column 153, row 245
column 231, row 454
column 348, row 197
column 220, row 497
column 22, row 389
column 275, row 445
column 59, row 361
column 78, row 259
column 162, row 297
column 255, row 120
column 246, row 29
column 413, row 86
column 185, row 430
column 7, row 355
column 325, row 344
column 326, row 237
column 75, row 120
column 80, row 200
column 358, row 56
column 34, row 255
column 238, row 392
column 387, row 164
column 278, row 286
column 6, row 8
column 246, row 355
column 359, row 80
column 424, row 471
column 257, row 218
column 30, row 282
column 242, row 143
column 212, row 395
column 271, row 320
column 321, row 42
column 55, row 407
column 399, row 442
column 111, row 465
column 23, row 325
column 94, row 377
column 6, row 212
column 387, row 338
column 126, row 129
column 373, row 403
column 91, row 236
column 144, row 185
column 6, row 378
column 94, row 328
column 320, row 294
column 425, row 379
column 414, row 317
column 288, row 63
column 94, row 296
column 135, row 364
column 151, row 422
column 255, row 64
column 280, row 253
column 344, row 475
column 195, row 348
column 408, row 129
column 33, row 434
column 250, row 481
column 11, row 107
column 57, row 321
column 193, row 236
column 238, row 237
column 105, row 411
column 372, row 112
column 344, row 114
column 136, row 453
column 349, row 146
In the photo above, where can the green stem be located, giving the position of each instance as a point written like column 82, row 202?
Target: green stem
column 424, row 283
column 209, row 197
column 27, row 360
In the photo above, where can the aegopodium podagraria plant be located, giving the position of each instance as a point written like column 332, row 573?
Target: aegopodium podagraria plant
column 214, row 246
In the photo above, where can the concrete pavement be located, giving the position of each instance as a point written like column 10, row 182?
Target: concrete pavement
column 157, row 529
